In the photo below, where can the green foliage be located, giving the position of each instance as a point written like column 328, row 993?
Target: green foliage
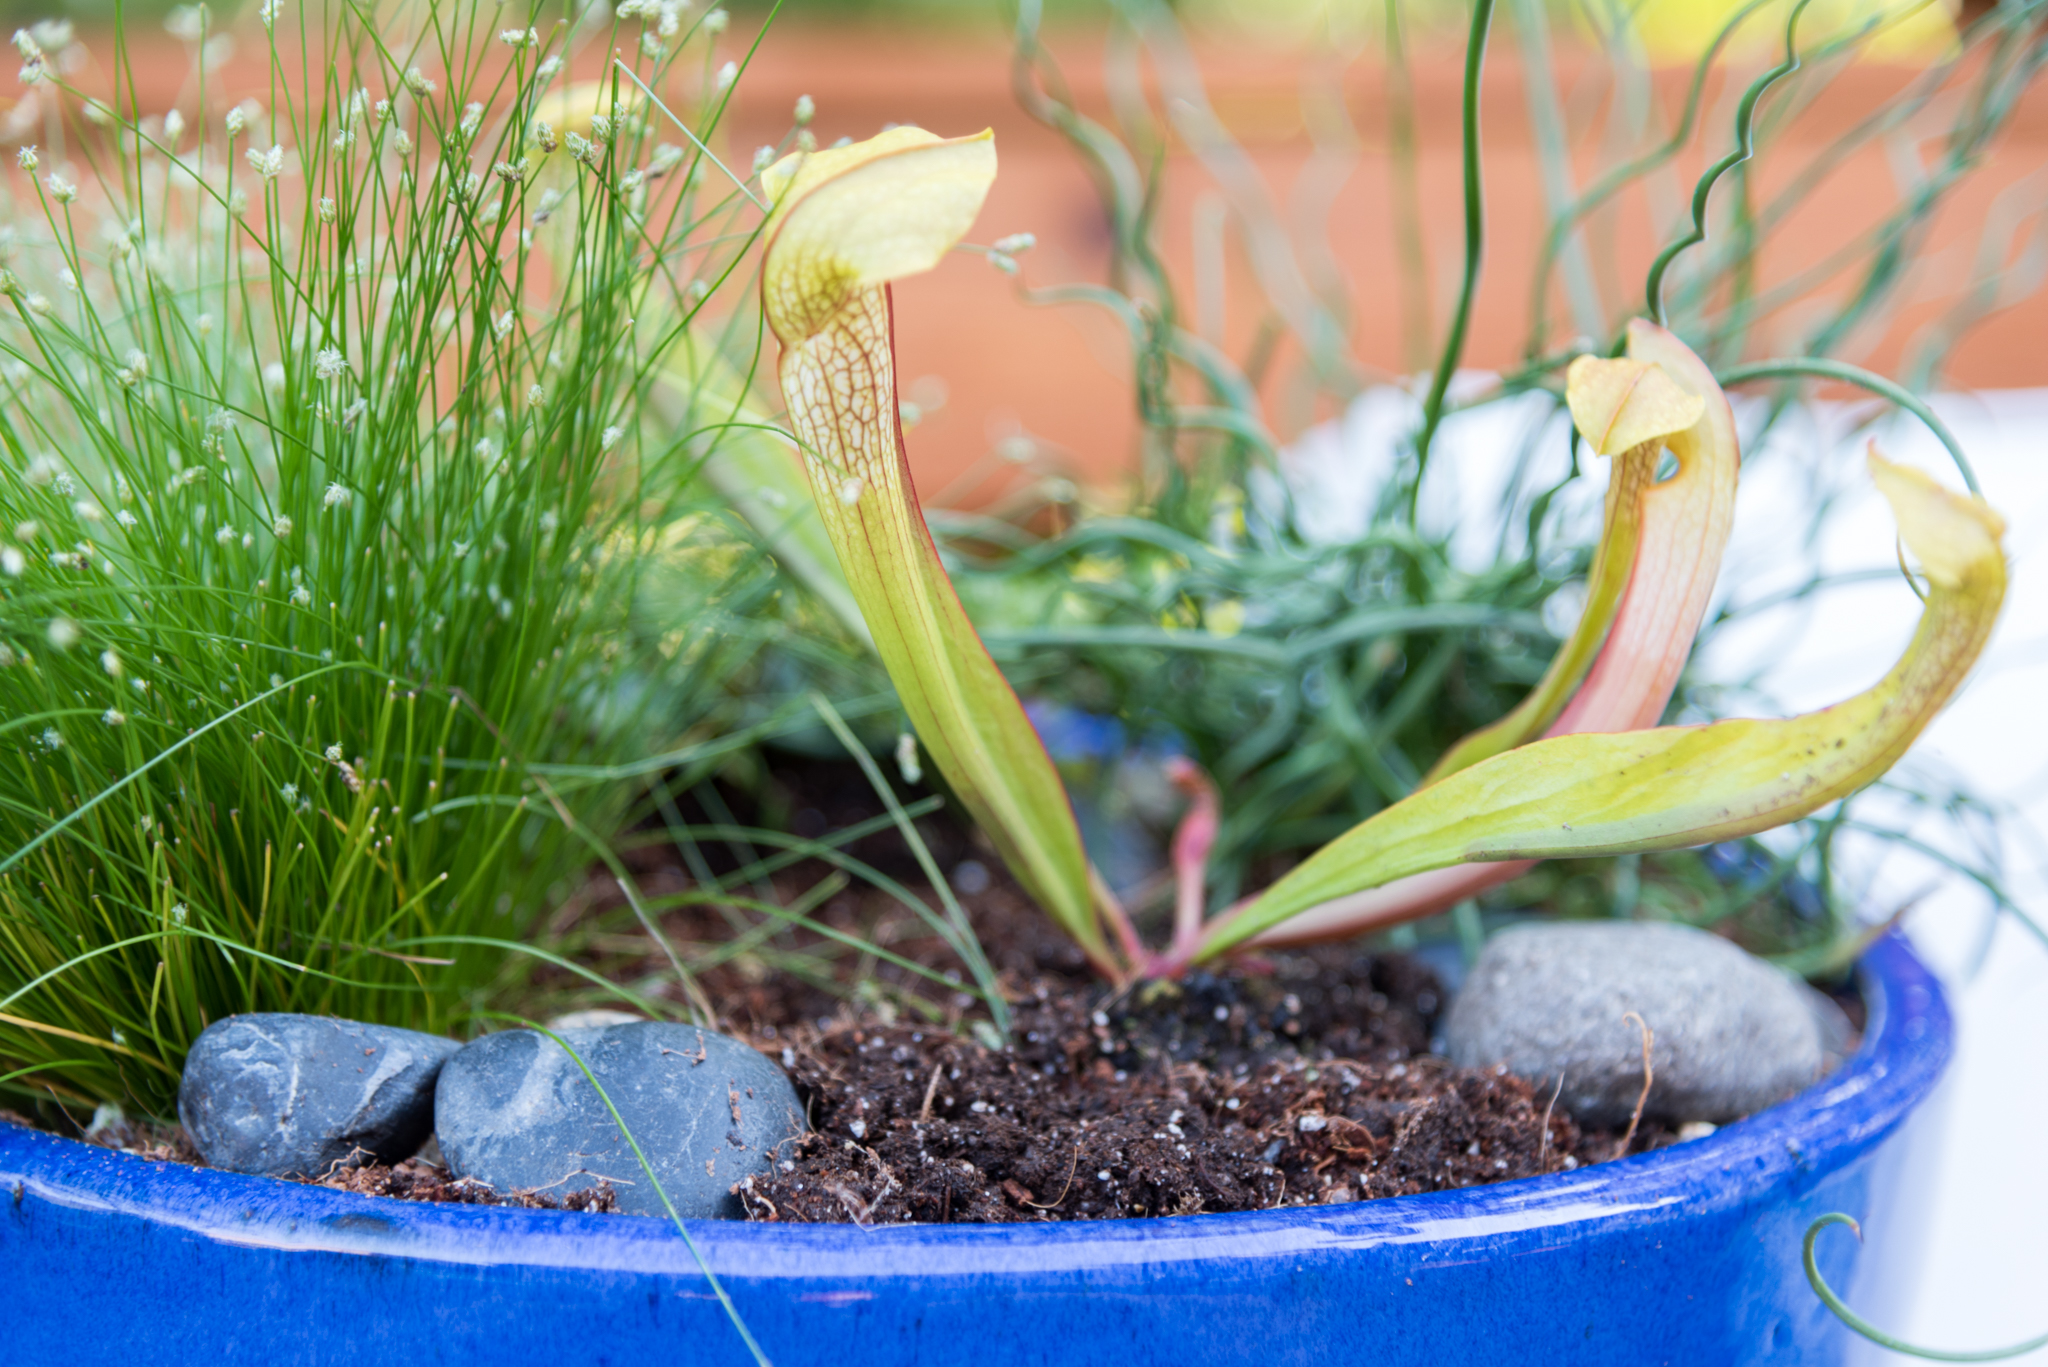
column 1319, row 681
column 348, row 587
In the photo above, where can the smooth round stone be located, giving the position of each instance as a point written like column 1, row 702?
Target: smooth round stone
column 514, row 1110
column 287, row 1095
column 1732, row 1034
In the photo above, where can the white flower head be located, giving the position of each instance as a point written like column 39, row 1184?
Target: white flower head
column 580, row 148
column 111, row 662
column 51, row 738
column 174, row 127
column 610, row 438
column 1016, row 244
column 536, row 396
column 273, row 376
column 728, row 73
column 326, row 211
column 111, row 717
column 717, row 21
column 282, row 526
column 224, row 535
column 236, row 121
column 271, row 9
column 12, row 562
column 289, row 792
column 303, row 596
column 62, row 190
column 26, row 159
column 186, row 22
column 764, row 157
column 472, row 119
column 338, row 495
column 806, row 110
column 330, row 364
column 334, row 753
column 62, row 632
column 548, row 69
column 127, row 519
column 417, row 82
column 269, row 165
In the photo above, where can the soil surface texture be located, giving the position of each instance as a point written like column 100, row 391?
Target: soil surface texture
column 1291, row 1078
column 1288, row 1078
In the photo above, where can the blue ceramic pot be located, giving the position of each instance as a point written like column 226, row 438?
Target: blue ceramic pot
column 1689, row 1256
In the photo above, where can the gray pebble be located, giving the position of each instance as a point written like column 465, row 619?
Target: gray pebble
column 514, row 1111
column 292, row 1096
column 1732, row 1034
column 595, row 1018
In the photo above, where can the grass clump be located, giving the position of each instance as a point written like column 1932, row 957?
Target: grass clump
column 343, row 572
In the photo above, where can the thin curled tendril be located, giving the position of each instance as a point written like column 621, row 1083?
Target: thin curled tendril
column 1568, row 218
column 1745, row 148
column 1475, row 246
column 1862, row 379
column 1877, row 1335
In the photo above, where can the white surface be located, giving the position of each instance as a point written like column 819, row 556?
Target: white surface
column 1985, row 1282
column 1985, row 1278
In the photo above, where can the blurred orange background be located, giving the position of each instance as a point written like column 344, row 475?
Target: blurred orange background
column 1062, row 375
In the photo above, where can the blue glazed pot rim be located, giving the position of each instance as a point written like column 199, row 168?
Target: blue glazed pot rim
column 1906, row 1045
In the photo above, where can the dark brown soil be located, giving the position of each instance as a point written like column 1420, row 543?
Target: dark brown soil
column 1287, row 1079
column 418, row 1180
column 1292, row 1078
column 918, row 1125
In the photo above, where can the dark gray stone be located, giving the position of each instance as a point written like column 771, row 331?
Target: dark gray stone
column 1732, row 1034
column 513, row 1110
column 291, row 1096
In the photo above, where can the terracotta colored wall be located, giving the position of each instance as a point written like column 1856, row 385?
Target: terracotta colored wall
column 1063, row 373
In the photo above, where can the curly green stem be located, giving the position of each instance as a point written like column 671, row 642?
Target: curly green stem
column 1879, row 1336
column 1475, row 246
column 1862, row 379
column 1745, row 148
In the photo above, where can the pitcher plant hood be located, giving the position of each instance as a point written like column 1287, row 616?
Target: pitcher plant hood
column 845, row 222
column 1652, row 575
column 1678, row 786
